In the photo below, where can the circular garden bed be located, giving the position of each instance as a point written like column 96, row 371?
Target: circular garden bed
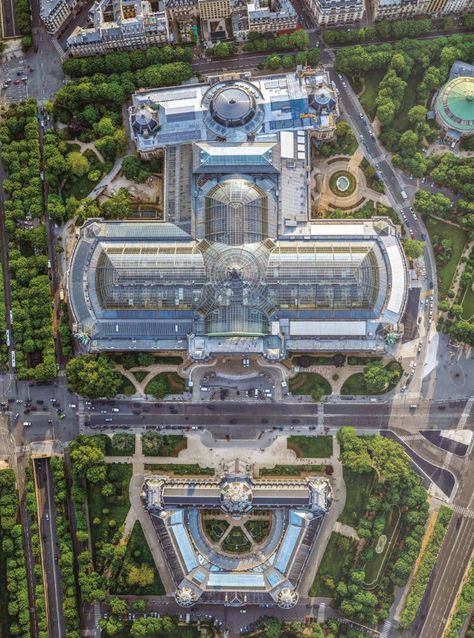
column 342, row 183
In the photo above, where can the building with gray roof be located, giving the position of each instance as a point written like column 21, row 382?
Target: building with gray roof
column 207, row 570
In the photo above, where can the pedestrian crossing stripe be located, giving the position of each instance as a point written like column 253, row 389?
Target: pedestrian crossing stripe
column 464, row 511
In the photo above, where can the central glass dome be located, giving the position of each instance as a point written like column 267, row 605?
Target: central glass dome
column 233, row 106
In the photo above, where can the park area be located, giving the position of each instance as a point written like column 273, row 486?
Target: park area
column 440, row 231
column 382, row 548
column 338, row 558
column 358, row 489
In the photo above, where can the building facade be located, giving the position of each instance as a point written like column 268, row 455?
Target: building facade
column 119, row 26
column 395, row 9
column 330, row 13
column 54, row 13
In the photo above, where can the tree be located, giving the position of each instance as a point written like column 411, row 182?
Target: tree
column 273, row 62
column 78, row 164
column 92, row 377
column 376, row 379
column 273, row 627
column 131, row 167
column 105, row 126
column 140, row 576
column 117, row 206
column 414, row 248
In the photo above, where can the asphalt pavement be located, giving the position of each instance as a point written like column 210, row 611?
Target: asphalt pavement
column 50, row 547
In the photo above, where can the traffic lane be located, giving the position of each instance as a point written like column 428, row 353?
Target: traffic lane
column 49, row 540
column 10, row 29
column 448, row 445
column 453, row 559
column 443, row 478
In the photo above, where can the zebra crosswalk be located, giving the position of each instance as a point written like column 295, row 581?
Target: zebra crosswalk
column 385, row 629
column 464, row 511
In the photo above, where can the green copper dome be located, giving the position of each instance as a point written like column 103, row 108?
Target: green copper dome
column 455, row 105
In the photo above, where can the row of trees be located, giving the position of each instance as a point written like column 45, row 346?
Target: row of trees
column 12, row 560
column 261, row 43
column 39, row 593
column 66, row 553
column 310, row 57
column 112, row 63
column 28, row 260
column 425, row 567
column 396, row 486
column 463, row 606
column 23, row 22
column 383, row 30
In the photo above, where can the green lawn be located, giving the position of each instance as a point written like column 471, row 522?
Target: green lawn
column 358, row 489
column 441, row 230
column 318, row 447
column 103, row 509
column 178, row 632
column 140, row 375
column 126, row 387
column 236, row 542
column 355, row 384
column 258, row 529
column 373, row 569
column 401, row 122
column 139, row 553
column 305, row 383
column 337, row 558
column 371, row 84
column 165, row 383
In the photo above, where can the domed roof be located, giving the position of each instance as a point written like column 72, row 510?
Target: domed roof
column 145, row 120
column 233, row 106
column 455, row 104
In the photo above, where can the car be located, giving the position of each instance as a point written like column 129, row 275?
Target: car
column 108, row 420
column 72, row 405
column 115, row 410
column 415, row 217
column 46, row 516
column 24, row 78
column 26, row 424
column 16, row 82
column 361, row 115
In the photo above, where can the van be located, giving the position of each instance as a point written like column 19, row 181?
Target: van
column 404, row 195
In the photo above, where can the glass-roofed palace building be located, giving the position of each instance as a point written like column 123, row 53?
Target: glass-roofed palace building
column 235, row 540
column 237, row 265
